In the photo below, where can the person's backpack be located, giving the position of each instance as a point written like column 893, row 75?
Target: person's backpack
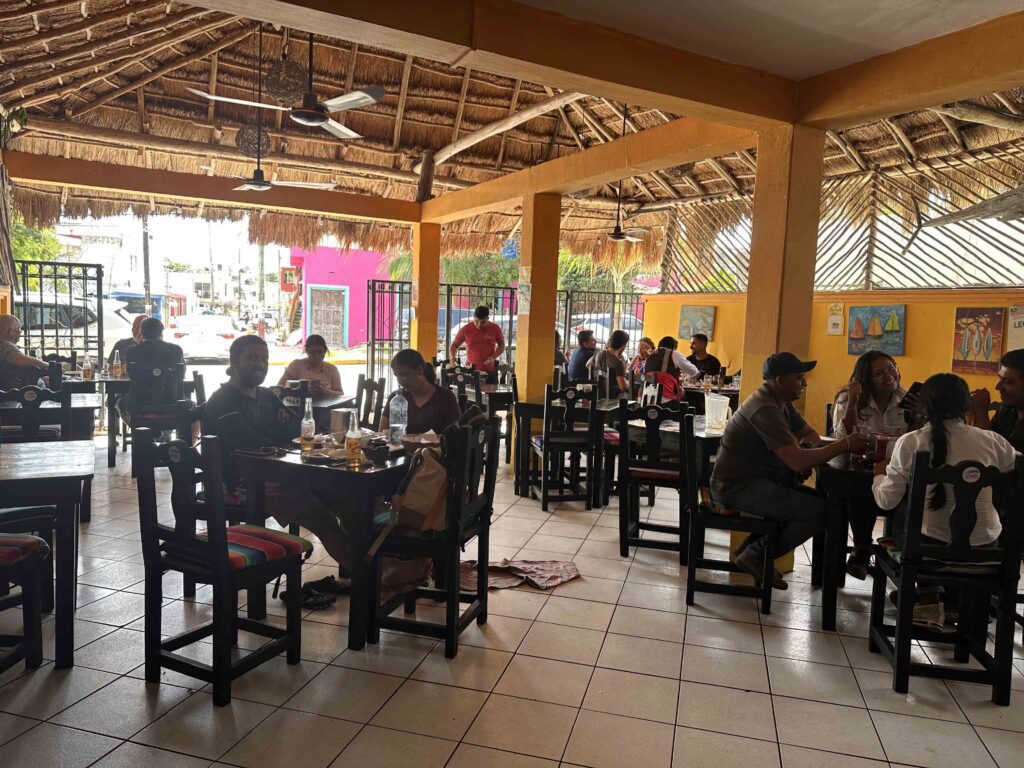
column 669, row 381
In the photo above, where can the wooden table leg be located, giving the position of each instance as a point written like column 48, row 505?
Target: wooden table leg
column 112, row 429
column 66, row 559
column 835, row 548
column 359, row 528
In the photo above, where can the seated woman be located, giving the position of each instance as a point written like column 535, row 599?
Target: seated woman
column 667, row 364
column 875, row 391
column 643, row 351
column 324, row 379
column 430, row 407
column 944, row 403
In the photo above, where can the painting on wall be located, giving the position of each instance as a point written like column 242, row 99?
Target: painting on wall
column 978, row 335
column 693, row 319
column 880, row 327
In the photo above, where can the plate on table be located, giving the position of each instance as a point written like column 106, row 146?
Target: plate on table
column 413, row 442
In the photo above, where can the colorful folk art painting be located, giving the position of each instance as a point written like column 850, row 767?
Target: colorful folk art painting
column 880, row 327
column 978, row 335
column 696, row 319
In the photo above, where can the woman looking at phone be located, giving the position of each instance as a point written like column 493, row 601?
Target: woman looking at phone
column 875, row 402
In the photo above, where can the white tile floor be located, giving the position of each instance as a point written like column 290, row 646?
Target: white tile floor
column 606, row 671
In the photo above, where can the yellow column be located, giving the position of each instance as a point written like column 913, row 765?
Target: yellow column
column 783, row 248
column 538, row 265
column 426, row 277
column 780, row 293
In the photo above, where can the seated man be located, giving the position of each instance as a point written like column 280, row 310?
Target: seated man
column 121, row 347
column 1010, row 385
column 586, row 348
column 247, row 416
column 761, row 463
column 609, row 360
column 151, row 352
column 707, row 364
column 16, row 368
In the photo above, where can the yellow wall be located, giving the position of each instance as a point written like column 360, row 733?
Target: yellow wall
column 929, row 333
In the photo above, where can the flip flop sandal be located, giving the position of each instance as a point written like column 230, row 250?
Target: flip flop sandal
column 329, row 585
column 313, row 600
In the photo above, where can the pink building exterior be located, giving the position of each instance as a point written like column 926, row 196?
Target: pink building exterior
column 345, row 270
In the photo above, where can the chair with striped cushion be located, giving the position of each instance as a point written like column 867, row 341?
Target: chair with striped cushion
column 644, row 463
column 230, row 559
column 21, row 562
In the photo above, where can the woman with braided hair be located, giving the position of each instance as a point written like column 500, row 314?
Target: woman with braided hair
column 944, row 402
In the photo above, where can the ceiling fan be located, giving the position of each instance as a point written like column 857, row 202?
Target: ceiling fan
column 313, row 112
column 632, row 234
column 258, row 182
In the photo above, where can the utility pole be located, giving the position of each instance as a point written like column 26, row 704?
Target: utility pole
column 262, row 281
column 209, row 250
column 145, row 264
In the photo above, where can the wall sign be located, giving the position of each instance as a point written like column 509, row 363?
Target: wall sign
column 835, row 320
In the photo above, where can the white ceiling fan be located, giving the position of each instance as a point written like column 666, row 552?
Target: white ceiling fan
column 632, row 234
column 258, row 182
column 313, row 112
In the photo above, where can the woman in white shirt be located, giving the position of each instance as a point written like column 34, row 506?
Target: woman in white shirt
column 324, row 378
column 944, row 402
column 875, row 392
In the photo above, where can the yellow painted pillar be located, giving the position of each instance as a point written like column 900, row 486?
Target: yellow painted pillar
column 783, row 248
column 426, row 277
column 538, row 276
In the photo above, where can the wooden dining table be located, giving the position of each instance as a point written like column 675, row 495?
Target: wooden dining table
column 351, row 493
column 32, row 477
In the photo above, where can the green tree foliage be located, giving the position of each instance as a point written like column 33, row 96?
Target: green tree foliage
column 31, row 244
column 721, row 281
column 176, row 266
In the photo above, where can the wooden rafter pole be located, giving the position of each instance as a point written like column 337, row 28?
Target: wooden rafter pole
column 90, row 48
column 1007, row 102
column 457, row 126
column 86, row 25
column 604, row 137
column 211, row 107
column 902, row 139
column 199, row 55
column 402, row 95
column 953, row 128
column 119, row 61
column 660, row 178
column 976, row 113
column 724, row 172
column 513, row 103
column 492, row 129
column 847, row 149
column 31, row 10
column 350, row 76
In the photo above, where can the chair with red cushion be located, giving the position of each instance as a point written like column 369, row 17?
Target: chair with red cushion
column 21, row 562
column 230, row 559
column 644, row 464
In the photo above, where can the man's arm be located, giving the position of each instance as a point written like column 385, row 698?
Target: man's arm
column 27, row 360
column 453, row 350
column 685, row 366
column 808, row 436
column 802, row 460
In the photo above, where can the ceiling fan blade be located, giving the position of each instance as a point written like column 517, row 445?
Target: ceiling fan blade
column 637, row 230
column 631, row 239
column 360, row 98
column 306, row 184
column 243, row 102
column 246, row 188
column 335, row 128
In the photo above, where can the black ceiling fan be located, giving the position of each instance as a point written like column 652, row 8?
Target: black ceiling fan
column 632, row 234
column 312, row 112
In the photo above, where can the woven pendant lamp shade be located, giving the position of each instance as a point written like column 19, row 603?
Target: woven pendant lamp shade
column 246, row 141
column 286, row 81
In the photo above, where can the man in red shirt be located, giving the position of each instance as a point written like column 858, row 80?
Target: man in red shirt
column 484, row 343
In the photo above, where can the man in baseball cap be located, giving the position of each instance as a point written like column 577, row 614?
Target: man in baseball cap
column 767, row 450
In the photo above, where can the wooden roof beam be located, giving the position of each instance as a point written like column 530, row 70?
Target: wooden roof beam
column 902, row 139
column 500, row 126
column 512, row 104
column 847, row 148
column 682, row 141
column 402, row 95
column 953, row 128
column 985, row 58
column 519, row 41
column 87, row 25
column 53, row 171
column 31, row 10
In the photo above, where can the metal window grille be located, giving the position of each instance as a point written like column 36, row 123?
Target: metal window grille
column 60, row 306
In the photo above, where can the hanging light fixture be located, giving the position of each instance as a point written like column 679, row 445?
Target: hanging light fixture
column 251, row 140
column 286, row 79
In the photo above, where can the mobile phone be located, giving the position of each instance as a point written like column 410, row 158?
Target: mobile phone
column 915, row 389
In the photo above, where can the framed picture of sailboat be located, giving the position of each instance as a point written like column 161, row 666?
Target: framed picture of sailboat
column 978, row 336
column 880, row 327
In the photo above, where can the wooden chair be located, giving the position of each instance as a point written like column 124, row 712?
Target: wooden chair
column 571, row 430
column 22, row 561
column 294, row 395
column 447, row 372
column 71, row 360
column 228, row 558
column 830, row 428
column 200, row 387
column 30, row 428
column 460, row 381
column 369, row 402
column 470, row 454
column 642, row 465
column 706, row 513
column 978, row 573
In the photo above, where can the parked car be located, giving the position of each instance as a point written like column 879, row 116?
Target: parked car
column 61, row 323
column 202, row 337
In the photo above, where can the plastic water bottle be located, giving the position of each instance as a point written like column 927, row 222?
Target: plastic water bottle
column 307, row 428
column 398, row 418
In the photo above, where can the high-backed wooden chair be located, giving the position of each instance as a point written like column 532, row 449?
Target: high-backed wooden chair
column 228, row 558
column 22, row 561
column 572, row 431
column 30, row 415
column 983, row 577
column 369, row 403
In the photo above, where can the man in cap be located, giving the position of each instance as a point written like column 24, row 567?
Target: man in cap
column 766, row 451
